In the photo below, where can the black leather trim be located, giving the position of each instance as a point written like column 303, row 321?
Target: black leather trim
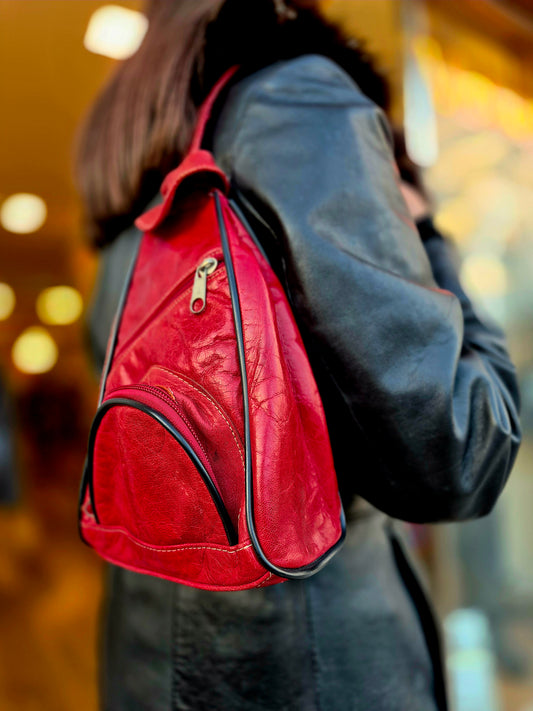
column 425, row 612
column 107, row 367
column 210, row 485
column 246, row 224
column 319, row 563
column 116, row 322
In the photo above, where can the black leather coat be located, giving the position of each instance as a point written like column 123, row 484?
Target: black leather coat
column 421, row 399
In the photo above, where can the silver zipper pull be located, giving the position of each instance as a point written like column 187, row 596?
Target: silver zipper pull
column 199, row 289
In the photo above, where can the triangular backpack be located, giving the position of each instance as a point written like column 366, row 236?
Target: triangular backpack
column 209, row 461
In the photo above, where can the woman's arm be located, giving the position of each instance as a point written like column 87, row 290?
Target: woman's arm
column 429, row 386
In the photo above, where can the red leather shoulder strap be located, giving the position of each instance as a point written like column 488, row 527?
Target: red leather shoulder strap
column 196, row 161
column 207, row 107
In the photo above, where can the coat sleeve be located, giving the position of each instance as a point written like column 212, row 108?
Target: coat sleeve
column 430, row 387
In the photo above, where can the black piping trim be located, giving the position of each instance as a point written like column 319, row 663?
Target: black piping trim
column 204, row 474
column 81, row 498
column 246, row 225
column 319, row 563
column 107, row 366
column 117, row 320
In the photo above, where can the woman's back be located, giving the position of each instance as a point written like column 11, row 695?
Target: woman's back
column 407, row 374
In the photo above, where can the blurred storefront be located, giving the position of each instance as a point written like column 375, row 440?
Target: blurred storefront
column 462, row 77
column 475, row 64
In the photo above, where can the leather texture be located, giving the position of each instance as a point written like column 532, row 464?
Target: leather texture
column 311, row 166
column 348, row 638
column 149, row 504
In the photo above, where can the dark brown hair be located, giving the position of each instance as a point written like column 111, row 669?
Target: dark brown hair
column 141, row 124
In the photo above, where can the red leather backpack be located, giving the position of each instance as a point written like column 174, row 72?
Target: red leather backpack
column 209, row 461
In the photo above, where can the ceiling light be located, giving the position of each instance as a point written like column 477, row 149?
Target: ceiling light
column 7, row 301
column 23, row 213
column 34, row 351
column 59, row 305
column 115, row 31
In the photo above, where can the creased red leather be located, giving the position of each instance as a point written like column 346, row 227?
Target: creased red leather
column 199, row 163
column 154, row 512
column 295, row 489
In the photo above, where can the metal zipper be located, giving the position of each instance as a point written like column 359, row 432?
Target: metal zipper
column 177, row 292
column 199, row 289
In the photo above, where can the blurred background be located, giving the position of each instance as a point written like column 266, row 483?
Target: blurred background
column 462, row 79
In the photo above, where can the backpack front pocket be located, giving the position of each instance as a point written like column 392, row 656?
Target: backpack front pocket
column 149, row 475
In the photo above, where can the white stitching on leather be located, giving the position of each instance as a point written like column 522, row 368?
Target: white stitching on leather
column 165, row 550
column 212, row 401
column 265, row 581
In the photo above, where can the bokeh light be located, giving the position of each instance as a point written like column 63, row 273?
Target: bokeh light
column 59, row 305
column 115, row 31
column 35, row 351
column 484, row 275
column 7, row 301
column 23, row 213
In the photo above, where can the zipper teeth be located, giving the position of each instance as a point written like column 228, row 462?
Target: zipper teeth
column 218, row 500
column 161, row 394
column 176, row 294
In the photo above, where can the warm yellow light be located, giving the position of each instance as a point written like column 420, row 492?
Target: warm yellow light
column 23, row 213
column 7, row 301
column 59, row 305
column 34, row 351
column 115, row 31
column 456, row 217
column 484, row 275
column 466, row 156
